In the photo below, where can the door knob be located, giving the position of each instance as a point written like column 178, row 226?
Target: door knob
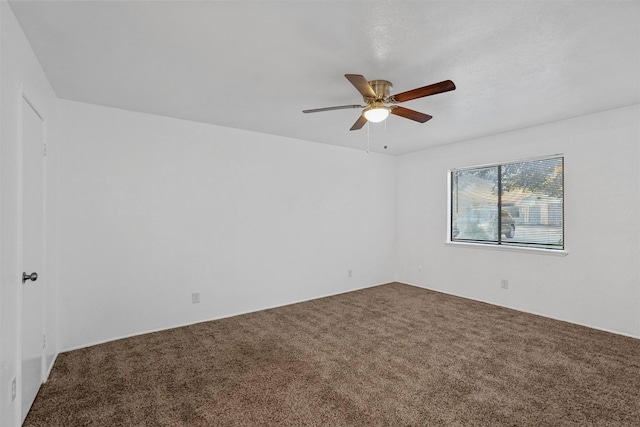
column 33, row 277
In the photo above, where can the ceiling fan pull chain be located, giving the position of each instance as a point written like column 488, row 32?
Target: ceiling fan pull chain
column 368, row 135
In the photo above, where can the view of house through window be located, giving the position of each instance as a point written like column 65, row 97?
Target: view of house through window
column 529, row 196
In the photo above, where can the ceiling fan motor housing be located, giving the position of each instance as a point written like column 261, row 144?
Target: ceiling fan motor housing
column 382, row 88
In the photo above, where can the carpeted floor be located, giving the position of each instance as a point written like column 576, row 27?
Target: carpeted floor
column 392, row 355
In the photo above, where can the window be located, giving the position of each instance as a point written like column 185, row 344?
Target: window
column 529, row 196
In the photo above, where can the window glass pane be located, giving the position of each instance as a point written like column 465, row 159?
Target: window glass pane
column 529, row 196
column 474, row 205
column 532, row 194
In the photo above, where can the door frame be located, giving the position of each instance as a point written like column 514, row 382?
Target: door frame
column 23, row 96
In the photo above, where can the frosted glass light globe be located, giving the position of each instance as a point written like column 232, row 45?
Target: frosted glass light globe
column 376, row 115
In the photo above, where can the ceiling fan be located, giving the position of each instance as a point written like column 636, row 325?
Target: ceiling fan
column 377, row 93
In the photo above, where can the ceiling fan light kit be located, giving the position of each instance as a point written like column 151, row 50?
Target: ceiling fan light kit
column 376, row 113
column 377, row 93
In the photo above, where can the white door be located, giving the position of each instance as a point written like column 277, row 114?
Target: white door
column 32, row 325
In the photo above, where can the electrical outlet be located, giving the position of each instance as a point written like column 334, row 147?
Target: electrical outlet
column 504, row 284
column 195, row 297
column 13, row 389
column 349, row 273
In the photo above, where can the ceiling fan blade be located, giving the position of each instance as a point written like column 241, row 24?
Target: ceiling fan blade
column 340, row 107
column 410, row 114
column 433, row 89
column 361, row 83
column 359, row 123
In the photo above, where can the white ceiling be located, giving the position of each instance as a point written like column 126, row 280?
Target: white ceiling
column 256, row 65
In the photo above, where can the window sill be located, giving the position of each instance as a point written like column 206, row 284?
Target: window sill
column 538, row 251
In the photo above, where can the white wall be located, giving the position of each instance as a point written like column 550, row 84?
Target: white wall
column 20, row 68
column 597, row 284
column 153, row 209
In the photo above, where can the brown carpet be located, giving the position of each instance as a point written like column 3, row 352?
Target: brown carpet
column 391, row 355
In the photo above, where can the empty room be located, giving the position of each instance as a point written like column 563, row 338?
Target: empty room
column 320, row 213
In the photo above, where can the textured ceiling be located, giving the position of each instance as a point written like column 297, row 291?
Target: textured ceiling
column 256, row 65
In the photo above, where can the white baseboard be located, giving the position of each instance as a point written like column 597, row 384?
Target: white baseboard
column 91, row 344
column 50, row 367
column 524, row 311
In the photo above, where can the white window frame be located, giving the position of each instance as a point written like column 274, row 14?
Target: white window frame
column 502, row 247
